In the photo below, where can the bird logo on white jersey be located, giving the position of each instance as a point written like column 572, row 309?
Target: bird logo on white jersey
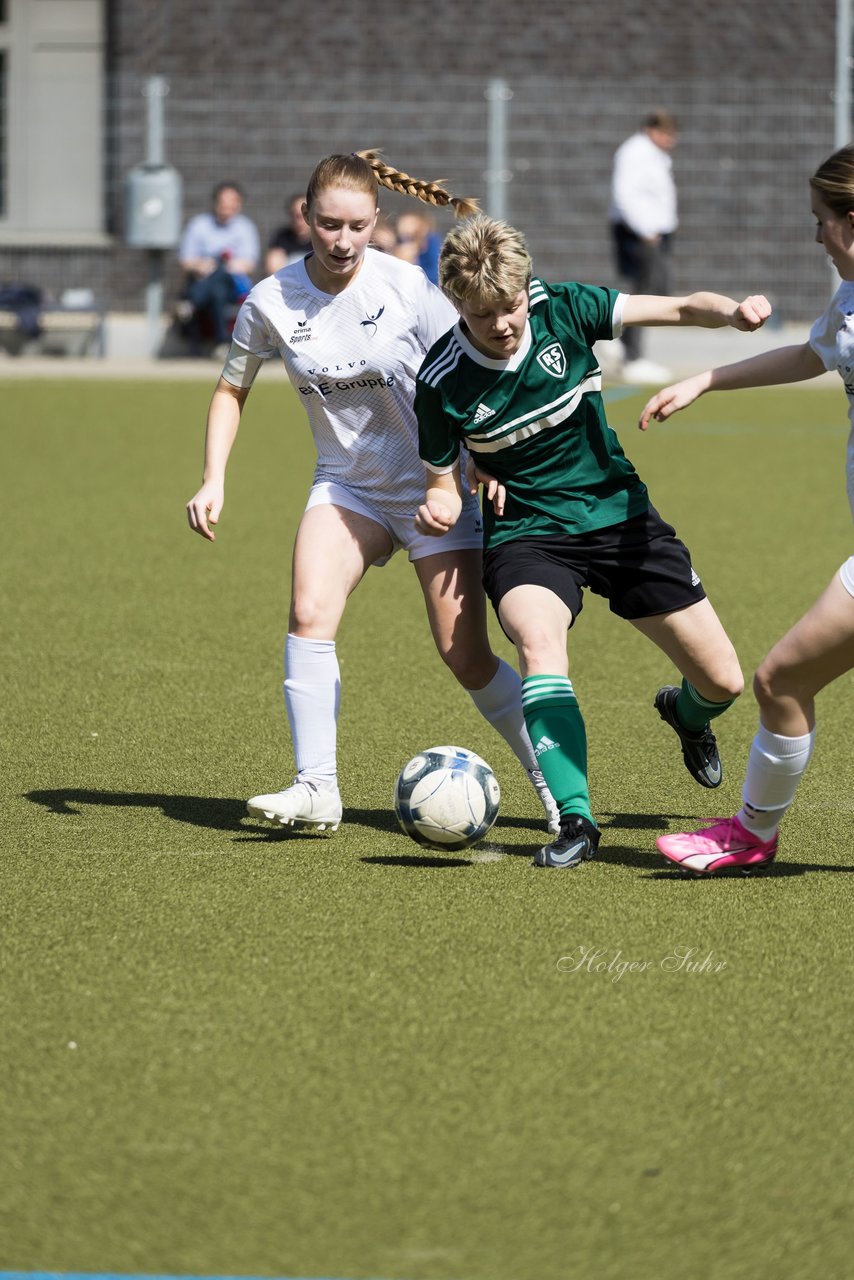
column 371, row 323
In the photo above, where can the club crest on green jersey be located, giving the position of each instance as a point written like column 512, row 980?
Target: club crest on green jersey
column 553, row 360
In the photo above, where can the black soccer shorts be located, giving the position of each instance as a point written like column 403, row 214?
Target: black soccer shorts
column 638, row 565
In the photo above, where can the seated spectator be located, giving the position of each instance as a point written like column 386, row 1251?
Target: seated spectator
column 26, row 301
column 219, row 253
column 292, row 241
column 418, row 241
column 384, row 237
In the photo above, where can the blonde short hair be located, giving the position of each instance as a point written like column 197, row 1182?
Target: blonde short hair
column 484, row 259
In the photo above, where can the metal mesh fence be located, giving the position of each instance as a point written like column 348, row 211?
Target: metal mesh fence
column 745, row 153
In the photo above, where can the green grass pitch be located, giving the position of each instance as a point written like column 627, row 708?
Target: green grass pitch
column 230, row 1051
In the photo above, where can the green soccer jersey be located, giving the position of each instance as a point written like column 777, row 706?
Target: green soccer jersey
column 536, row 421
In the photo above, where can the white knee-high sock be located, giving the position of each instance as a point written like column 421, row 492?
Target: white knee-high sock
column 500, row 702
column 775, row 766
column 312, row 691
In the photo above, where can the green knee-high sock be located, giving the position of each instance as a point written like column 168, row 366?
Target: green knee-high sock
column 556, row 727
column 695, row 711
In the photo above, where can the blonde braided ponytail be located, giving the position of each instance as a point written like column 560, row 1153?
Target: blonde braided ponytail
column 429, row 192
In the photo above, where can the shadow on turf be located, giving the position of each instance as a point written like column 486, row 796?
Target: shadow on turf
column 618, row 854
column 416, row 860
column 652, row 863
column 205, row 811
column 230, row 815
column 199, row 811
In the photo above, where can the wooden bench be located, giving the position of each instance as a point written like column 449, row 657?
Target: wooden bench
column 64, row 331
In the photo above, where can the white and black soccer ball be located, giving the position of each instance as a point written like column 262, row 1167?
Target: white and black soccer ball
column 446, row 797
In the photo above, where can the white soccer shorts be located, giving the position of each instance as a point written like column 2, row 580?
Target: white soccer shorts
column 466, row 535
column 846, row 574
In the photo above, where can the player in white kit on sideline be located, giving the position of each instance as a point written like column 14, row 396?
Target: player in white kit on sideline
column 819, row 648
column 352, row 326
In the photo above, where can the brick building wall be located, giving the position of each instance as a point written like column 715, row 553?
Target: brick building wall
column 611, row 39
column 258, row 92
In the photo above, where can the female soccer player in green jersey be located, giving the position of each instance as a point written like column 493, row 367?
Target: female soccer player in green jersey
column 516, row 381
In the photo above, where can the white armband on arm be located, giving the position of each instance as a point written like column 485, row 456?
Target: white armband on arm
column 617, row 315
column 440, row 471
column 241, row 367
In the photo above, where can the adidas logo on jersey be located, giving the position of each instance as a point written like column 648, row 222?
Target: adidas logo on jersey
column 483, row 412
column 545, row 744
column 695, row 577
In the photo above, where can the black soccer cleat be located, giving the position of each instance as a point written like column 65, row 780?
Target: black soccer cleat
column 699, row 748
column 577, row 842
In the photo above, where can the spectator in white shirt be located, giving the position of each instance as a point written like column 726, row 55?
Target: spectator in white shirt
column 643, row 219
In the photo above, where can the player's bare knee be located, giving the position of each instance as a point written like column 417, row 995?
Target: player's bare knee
column 473, row 669
column 309, row 616
column 733, row 687
column 539, row 654
column 725, row 682
column 773, row 685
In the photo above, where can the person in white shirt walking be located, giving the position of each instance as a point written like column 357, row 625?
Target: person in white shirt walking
column 352, row 325
column 643, row 218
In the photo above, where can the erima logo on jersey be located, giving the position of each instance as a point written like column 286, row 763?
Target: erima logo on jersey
column 371, row 322
column 545, row 744
column 483, row 412
column 553, row 360
column 301, row 333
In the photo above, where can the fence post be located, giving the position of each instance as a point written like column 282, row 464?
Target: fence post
column 498, row 173
column 842, row 96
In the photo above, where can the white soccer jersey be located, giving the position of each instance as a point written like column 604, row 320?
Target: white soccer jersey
column 352, row 358
column 832, row 339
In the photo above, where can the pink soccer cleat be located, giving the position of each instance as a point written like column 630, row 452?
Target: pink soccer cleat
column 725, row 846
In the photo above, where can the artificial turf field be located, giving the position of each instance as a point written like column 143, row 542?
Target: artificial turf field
column 232, row 1051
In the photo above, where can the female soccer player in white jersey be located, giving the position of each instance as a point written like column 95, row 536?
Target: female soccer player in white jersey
column 517, row 382
column 820, row 646
column 352, row 326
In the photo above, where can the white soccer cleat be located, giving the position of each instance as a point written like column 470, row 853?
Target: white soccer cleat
column 546, row 800
column 303, row 805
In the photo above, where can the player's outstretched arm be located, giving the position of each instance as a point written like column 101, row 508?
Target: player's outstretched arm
column 678, row 396
column 205, row 507
column 771, row 368
column 705, row 310
column 442, row 503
